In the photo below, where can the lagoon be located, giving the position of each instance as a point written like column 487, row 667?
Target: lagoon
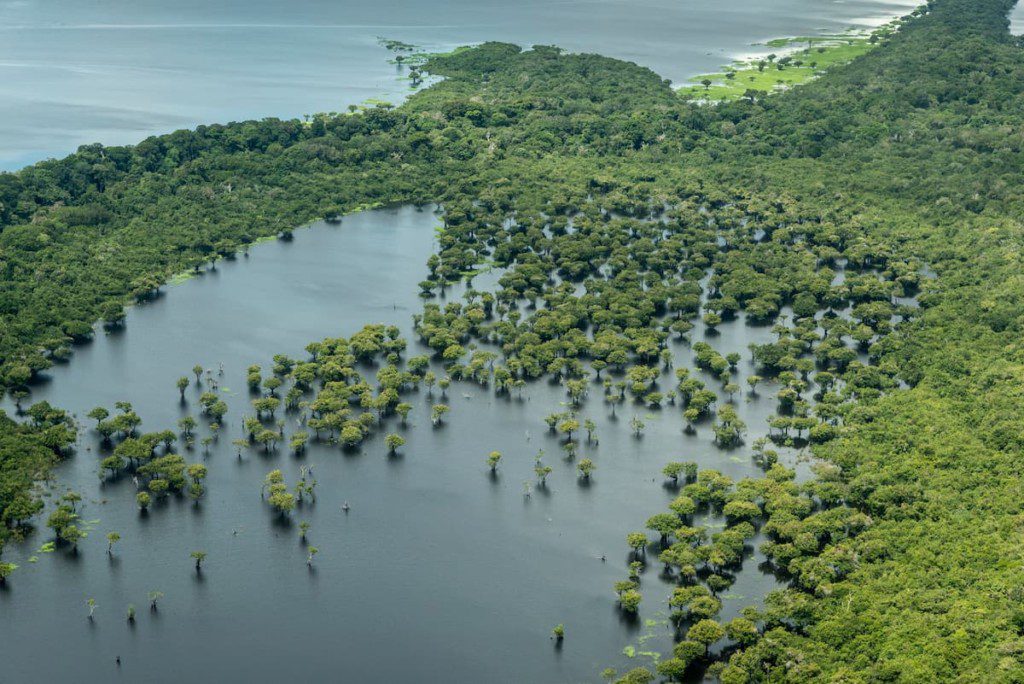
column 438, row 571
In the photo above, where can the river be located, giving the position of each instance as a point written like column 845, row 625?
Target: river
column 82, row 71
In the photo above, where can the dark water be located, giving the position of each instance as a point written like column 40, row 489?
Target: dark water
column 113, row 71
column 438, row 573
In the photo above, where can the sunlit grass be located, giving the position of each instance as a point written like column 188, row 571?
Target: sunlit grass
column 799, row 59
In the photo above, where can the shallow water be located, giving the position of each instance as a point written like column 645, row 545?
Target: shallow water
column 438, row 572
column 82, row 71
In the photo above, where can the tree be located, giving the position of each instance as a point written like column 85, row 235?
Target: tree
column 664, row 524
column 197, row 473
column 717, row 583
column 577, row 390
column 637, row 541
column 112, row 538
column 673, row 669
column 158, row 486
column 272, row 384
column 99, row 414
column 691, row 415
column 298, row 442
column 558, row 632
column 705, row 632
column 274, row 477
column 541, row 471
column 586, row 467
column 72, row 535
column 630, row 600
column 91, row 605
column 312, row 552
column 493, row 459
column 266, row 405
column 673, row 470
column 197, row 370
column 728, row 428
column 303, row 530
column 154, row 597
column 613, row 400
column 740, row 511
column 182, row 386
column 437, row 413
column 706, row 82
column 636, row 425
column 187, row 424
column 280, row 498
column 268, row 438
column 113, row 464
column 742, row 631
column 638, row 675
column 683, row 506
column 688, row 651
column 712, row 320
column 5, row 571
column 568, row 427
column 143, row 500
column 71, row 499
column 198, row 557
column 393, row 442
column 351, row 435
column 113, row 314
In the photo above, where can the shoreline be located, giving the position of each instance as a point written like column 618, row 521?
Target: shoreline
column 397, row 94
column 784, row 63
column 859, row 31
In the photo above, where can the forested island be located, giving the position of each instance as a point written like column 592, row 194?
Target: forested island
column 869, row 220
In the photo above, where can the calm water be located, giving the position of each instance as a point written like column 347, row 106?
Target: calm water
column 438, row 573
column 82, row 71
column 1017, row 19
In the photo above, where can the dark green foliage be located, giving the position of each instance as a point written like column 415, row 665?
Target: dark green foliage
column 27, row 451
column 903, row 553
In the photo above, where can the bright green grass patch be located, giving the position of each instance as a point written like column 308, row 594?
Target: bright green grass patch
column 803, row 58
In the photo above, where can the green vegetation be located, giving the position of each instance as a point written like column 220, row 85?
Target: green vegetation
column 622, row 216
column 27, row 452
column 805, row 58
column 198, row 557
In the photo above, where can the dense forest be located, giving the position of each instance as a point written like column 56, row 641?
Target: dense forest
column 904, row 166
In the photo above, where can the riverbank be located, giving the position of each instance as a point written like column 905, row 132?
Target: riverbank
column 786, row 63
column 74, row 73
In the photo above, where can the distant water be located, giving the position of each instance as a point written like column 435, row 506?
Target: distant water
column 1017, row 19
column 81, row 71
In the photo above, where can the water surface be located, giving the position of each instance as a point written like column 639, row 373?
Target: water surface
column 111, row 71
column 438, row 572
